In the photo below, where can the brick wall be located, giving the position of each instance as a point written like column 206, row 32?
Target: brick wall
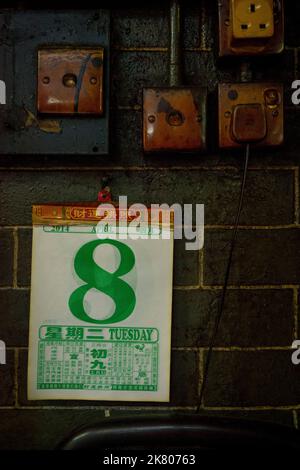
column 251, row 372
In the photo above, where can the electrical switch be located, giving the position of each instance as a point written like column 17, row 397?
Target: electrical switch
column 250, row 113
column 70, row 81
column 249, row 123
column 174, row 118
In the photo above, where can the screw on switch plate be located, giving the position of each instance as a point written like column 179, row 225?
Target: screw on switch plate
column 174, row 119
column 70, row 80
column 250, row 27
column 250, row 113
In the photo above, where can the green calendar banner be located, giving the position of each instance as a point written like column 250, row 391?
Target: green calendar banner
column 100, row 310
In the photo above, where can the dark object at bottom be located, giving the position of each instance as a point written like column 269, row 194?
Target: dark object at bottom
column 183, row 431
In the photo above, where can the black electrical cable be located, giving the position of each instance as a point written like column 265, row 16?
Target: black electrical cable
column 227, row 274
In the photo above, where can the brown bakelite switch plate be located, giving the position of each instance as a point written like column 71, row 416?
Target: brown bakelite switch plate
column 174, row 119
column 70, row 80
column 251, row 27
column 250, row 113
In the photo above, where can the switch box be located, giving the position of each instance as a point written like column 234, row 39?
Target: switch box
column 70, row 80
column 250, row 113
column 250, row 27
column 174, row 119
column 55, row 108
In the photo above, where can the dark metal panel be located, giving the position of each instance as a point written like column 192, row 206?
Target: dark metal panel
column 22, row 130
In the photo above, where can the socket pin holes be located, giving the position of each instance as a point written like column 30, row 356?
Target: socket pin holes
column 252, row 19
column 251, row 27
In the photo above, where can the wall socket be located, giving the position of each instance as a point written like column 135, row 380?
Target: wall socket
column 253, row 19
column 250, row 27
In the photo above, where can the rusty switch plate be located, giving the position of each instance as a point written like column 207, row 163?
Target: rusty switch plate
column 250, row 113
column 250, row 27
column 70, row 80
column 174, row 119
column 48, row 124
column 249, row 123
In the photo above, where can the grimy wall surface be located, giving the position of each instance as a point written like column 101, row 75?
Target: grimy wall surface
column 251, row 372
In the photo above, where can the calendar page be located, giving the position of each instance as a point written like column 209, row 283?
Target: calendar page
column 100, row 313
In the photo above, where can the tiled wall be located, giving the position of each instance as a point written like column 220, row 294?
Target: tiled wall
column 251, row 372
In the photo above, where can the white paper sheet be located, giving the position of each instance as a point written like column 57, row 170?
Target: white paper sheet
column 100, row 316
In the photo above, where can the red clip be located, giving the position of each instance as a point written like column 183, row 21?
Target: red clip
column 104, row 195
